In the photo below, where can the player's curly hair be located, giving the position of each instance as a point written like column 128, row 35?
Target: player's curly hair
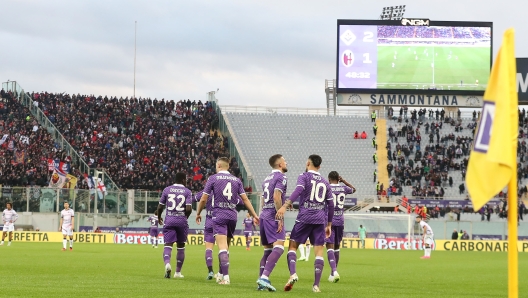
column 333, row 176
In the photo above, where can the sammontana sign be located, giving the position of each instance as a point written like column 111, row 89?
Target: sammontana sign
column 352, row 99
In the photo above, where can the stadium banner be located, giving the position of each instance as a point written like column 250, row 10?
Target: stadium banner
column 57, row 237
column 194, row 239
column 478, row 245
column 448, row 203
column 416, row 99
column 522, row 79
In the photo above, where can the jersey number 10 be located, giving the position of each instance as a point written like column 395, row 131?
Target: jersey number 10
column 318, row 191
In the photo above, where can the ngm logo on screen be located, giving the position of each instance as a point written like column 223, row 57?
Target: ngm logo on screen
column 486, row 123
column 415, row 22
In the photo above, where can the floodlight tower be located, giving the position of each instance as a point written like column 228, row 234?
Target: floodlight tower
column 392, row 12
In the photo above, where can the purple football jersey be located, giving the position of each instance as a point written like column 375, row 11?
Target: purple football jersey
column 275, row 181
column 225, row 190
column 175, row 197
column 208, row 206
column 339, row 192
column 153, row 221
column 248, row 224
column 316, row 193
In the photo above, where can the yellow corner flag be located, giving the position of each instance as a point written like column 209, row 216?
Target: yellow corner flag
column 493, row 160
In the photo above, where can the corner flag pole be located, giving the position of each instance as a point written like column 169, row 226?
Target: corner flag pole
column 513, row 258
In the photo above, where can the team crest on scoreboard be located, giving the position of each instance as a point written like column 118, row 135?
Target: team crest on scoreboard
column 348, row 37
column 347, row 58
column 484, row 129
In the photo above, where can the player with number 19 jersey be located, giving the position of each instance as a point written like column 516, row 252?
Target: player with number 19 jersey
column 175, row 226
column 268, row 224
column 338, row 222
column 224, row 190
column 314, row 200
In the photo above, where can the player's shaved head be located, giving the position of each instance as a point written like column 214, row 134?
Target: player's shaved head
column 316, row 160
column 222, row 163
column 180, row 178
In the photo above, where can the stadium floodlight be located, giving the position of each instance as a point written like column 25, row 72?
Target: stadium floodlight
column 392, row 12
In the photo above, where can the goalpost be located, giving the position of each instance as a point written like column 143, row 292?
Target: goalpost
column 383, row 225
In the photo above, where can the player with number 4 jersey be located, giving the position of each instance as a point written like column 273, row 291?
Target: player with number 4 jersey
column 223, row 189
column 314, row 221
column 333, row 242
column 178, row 199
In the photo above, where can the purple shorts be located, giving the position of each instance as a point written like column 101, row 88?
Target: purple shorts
column 176, row 234
column 154, row 231
column 337, row 235
column 225, row 227
column 302, row 231
column 208, row 230
column 268, row 232
column 248, row 233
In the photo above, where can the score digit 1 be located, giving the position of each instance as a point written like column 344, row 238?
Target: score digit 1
column 366, row 58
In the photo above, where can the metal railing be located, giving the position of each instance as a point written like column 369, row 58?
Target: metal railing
column 24, row 99
column 234, row 148
column 349, row 111
column 45, row 200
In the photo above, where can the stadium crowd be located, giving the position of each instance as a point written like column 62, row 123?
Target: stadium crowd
column 425, row 166
column 385, row 32
column 141, row 143
column 24, row 146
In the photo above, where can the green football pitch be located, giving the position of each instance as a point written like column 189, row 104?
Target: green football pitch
column 424, row 67
column 103, row 270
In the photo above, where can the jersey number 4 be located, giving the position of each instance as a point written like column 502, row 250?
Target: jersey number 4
column 179, row 206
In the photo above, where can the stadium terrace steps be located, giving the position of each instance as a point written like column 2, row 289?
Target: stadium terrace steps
column 297, row 136
column 383, row 161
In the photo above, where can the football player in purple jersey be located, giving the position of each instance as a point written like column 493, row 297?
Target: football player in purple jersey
column 249, row 227
column 338, row 222
column 153, row 229
column 272, row 234
column 178, row 199
column 314, row 220
column 223, row 189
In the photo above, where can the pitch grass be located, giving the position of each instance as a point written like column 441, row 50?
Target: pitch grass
column 105, row 270
column 451, row 65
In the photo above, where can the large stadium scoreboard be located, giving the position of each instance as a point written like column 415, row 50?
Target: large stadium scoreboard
column 413, row 57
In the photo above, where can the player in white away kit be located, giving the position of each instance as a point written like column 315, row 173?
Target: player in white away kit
column 9, row 216
column 428, row 237
column 67, row 225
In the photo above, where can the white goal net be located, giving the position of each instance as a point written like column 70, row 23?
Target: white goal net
column 395, row 231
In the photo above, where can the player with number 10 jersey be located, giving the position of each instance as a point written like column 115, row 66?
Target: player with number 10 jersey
column 314, row 221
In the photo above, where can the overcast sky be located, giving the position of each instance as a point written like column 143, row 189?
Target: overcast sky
column 271, row 53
